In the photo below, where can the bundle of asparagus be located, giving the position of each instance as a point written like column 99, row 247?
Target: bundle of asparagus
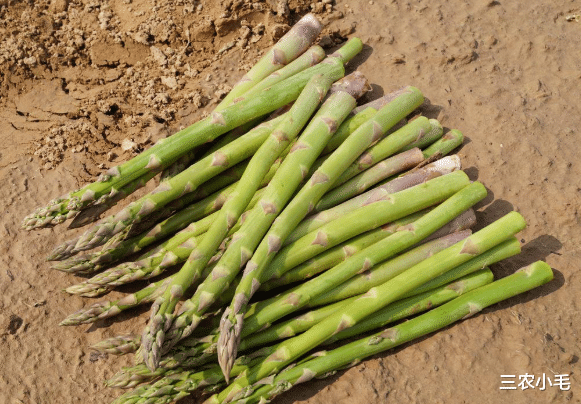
column 288, row 200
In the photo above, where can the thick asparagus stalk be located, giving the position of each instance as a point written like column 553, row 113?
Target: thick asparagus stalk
column 430, row 137
column 366, row 218
column 379, row 297
column 389, row 269
column 295, row 119
column 336, row 255
column 464, row 306
column 329, row 210
column 444, row 145
column 379, row 172
column 278, row 192
column 320, row 182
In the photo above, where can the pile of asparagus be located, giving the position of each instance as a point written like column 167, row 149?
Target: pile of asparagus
column 288, row 219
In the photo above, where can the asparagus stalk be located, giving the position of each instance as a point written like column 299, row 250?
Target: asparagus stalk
column 295, row 119
column 164, row 153
column 389, row 269
column 288, row 48
column 328, row 210
column 336, row 255
column 380, row 296
column 320, row 182
column 460, row 308
column 366, row 218
column 381, row 171
column 185, row 182
column 278, row 192
column 430, row 137
column 444, row 145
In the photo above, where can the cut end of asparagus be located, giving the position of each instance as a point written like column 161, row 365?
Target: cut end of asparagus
column 355, row 84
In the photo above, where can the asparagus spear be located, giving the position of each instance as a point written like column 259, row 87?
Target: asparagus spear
column 381, row 171
column 278, row 192
column 444, row 145
column 295, row 42
column 379, row 297
column 460, row 308
column 328, row 210
column 430, row 137
column 336, row 255
column 389, row 269
column 295, row 119
column 363, row 219
column 320, row 182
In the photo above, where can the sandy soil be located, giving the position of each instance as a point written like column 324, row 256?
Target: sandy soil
column 86, row 84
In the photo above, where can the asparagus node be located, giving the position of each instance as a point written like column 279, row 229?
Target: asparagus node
column 349, row 50
column 381, row 296
column 458, row 309
column 162, row 310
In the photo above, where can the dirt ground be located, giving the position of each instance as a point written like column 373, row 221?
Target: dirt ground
column 86, row 84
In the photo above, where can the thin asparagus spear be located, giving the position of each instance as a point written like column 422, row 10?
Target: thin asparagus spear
column 295, row 42
column 162, row 310
column 387, row 270
column 460, row 308
column 371, row 216
column 378, row 297
column 320, row 182
column 381, row 171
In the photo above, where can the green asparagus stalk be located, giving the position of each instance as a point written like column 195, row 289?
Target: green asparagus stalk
column 379, row 172
column 329, row 209
column 498, row 253
column 366, row 218
column 430, row 137
column 444, row 145
column 337, row 254
column 380, row 296
column 320, row 182
column 268, row 311
column 460, row 308
column 389, row 269
column 394, row 312
column 278, row 192
column 162, row 310
column 119, row 345
column 288, row 48
column 219, row 122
